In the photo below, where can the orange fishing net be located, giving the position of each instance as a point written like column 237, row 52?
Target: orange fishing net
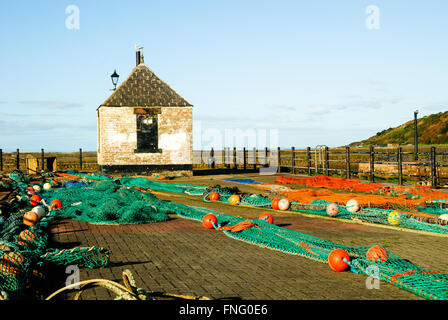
column 382, row 195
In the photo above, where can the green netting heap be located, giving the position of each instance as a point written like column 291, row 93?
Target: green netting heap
column 400, row 272
column 318, row 207
column 254, row 200
column 107, row 202
column 375, row 215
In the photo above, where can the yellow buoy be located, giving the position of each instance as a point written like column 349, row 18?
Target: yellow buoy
column 235, row 199
column 394, row 218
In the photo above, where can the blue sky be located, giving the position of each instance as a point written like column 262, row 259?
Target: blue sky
column 311, row 70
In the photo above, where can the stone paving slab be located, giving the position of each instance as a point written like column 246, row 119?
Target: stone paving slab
column 180, row 256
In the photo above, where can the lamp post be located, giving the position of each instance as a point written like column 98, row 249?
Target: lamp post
column 114, row 78
column 415, row 136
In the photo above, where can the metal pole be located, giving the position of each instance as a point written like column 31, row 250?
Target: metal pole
column 400, row 166
column 255, row 158
column 278, row 159
column 212, row 159
column 244, row 158
column 1, row 160
column 327, row 164
column 433, row 168
column 308, row 152
column 347, row 162
column 235, row 166
column 42, row 157
column 415, row 136
column 293, row 160
column 80, row 158
column 266, row 156
column 372, row 164
column 18, row 159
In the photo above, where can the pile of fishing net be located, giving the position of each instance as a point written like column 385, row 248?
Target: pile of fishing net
column 24, row 250
column 107, row 202
column 24, row 253
column 372, row 261
column 358, row 186
column 388, row 266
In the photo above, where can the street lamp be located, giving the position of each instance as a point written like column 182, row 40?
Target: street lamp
column 114, row 78
column 415, row 136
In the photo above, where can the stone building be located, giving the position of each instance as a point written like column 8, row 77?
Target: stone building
column 145, row 127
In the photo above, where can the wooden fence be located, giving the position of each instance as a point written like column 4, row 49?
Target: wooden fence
column 401, row 164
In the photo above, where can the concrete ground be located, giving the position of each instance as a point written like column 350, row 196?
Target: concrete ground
column 180, row 256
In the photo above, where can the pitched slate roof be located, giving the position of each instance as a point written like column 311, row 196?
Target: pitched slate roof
column 144, row 89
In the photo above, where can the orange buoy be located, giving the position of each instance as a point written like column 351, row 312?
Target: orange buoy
column 336, row 260
column 35, row 200
column 274, row 204
column 267, row 217
column 235, row 199
column 30, row 218
column 377, row 254
column 214, row 196
column 56, row 204
column 138, row 188
column 209, row 220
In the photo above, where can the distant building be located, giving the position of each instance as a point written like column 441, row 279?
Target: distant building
column 145, row 127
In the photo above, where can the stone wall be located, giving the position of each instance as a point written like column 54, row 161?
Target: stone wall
column 117, row 137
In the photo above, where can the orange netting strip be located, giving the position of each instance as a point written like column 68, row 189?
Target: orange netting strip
column 389, row 194
column 240, row 226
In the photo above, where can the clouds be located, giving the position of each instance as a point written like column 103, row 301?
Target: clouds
column 9, row 128
column 52, row 104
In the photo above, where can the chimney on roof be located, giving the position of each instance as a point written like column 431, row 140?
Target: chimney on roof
column 138, row 57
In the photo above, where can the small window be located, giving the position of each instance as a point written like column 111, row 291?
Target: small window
column 147, row 134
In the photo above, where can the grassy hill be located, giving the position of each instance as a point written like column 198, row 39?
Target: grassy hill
column 432, row 129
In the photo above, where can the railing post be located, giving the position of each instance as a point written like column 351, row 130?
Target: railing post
column 235, row 165
column 1, row 160
column 223, row 157
column 278, row 160
column 244, row 158
column 308, row 152
column 265, row 156
column 347, row 162
column 400, row 166
column 372, row 164
column 212, row 159
column 18, row 159
column 80, row 158
column 255, row 158
column 433, row 168
column 200, row 163
column 42, row 159
column 293, row 160
column 327, row 162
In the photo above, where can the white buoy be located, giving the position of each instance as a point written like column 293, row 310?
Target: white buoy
column 332, row 209
column 36, row 188
column 443, row 217
column 352, row 205
column 283, row 204
column 39, row 211
column 47, row 186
